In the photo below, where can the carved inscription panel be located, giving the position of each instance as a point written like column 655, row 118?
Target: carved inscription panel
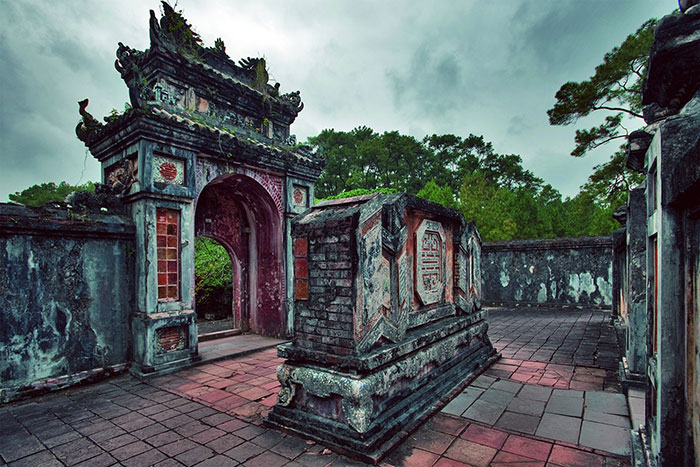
column 430, row 269
column 430, row 261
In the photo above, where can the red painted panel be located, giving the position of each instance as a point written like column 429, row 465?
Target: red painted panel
column 300, row 247
column 167, row 248
column 301, row 287
column 301, row 270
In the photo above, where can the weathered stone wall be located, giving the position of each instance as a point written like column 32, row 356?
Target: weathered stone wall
column 667, row 151
column 548, row 272
column 323, row 277
column 66, row 291
column 631, row 294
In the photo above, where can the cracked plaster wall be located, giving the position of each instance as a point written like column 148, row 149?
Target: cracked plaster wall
column 548, row 272
column 65, row 298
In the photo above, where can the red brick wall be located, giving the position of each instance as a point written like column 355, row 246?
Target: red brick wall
column 323, row 317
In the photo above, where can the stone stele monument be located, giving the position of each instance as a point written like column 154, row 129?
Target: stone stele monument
column 388, row 322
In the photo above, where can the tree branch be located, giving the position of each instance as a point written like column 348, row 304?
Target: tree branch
column 596, row 145
column 637, row 70
column 623, row 85
column 617, row 109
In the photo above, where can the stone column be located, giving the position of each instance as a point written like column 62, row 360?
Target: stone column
column 163, row 325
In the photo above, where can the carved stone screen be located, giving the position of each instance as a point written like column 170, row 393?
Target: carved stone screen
column 430, row 264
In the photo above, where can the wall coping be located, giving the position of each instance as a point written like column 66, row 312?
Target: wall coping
column 551, row 244
column 16, row 219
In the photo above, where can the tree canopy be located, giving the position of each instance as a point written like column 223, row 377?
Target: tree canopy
column 505, row 200
column 616, row 86
column 362, row 158
column 615, row 89
column 213, row 273
column 38, row 195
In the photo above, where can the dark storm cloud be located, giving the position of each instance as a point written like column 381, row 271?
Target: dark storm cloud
column 432, row 84
column 23, row 138
column 46, row 67
column 471, row 66
column 562, row 34
column 13, row 81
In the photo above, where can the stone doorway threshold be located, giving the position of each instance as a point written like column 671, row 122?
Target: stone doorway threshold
column 235, row 346
column 210, row 336
column 205, row 328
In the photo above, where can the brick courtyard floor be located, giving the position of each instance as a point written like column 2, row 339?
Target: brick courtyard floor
column 525, row 410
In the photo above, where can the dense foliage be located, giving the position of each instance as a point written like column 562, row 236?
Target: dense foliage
column 359, row 192
column 38, row 195
column 505, row 200
column 213, row 275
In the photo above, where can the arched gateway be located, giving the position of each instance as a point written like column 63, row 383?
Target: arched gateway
column 205, row 149
column 237, row 211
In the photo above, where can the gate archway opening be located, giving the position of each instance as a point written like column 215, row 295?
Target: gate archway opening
column 217, row 286
column 239, row 213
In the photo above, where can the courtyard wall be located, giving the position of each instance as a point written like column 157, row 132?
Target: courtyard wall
column 559, row 272
column 66, row 293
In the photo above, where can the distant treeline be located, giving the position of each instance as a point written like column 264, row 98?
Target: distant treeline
column 505, row 200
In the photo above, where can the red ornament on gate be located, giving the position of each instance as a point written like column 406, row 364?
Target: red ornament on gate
column 298, row 196
column 168, row 170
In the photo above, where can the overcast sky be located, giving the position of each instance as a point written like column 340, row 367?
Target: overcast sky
column 419, row 67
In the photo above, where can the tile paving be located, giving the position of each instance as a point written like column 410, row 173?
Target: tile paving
column 557, row 415
column 569, row 337
column 212, row 414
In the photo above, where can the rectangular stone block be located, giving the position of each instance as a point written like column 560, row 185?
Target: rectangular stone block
column 387, row 328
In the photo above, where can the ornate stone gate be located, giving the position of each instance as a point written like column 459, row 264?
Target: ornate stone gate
column 204, row 149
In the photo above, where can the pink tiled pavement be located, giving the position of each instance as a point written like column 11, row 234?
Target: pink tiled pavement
column 212, row 415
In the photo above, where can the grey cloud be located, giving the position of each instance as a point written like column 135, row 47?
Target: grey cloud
column 23, row 143
column 562, row 33
column 519, row 124
column 449, row 67
column 70, row 51
column 13, row 73
column 432, row 84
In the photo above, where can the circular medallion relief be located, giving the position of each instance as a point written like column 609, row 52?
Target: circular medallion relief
column 168, row 170
column 298, row 196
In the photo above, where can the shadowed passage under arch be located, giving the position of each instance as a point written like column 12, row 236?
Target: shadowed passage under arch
column 238, row 212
